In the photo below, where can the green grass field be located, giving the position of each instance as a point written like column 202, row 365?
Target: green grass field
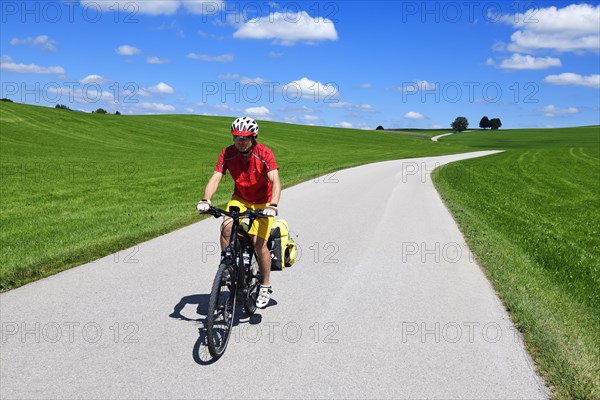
column 425, row 134
column 77, row 186
column 532, row 217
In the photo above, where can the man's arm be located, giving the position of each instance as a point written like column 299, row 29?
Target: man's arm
column 276, row 189
column 212, row 185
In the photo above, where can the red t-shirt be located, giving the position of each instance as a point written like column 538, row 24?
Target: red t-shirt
column 250, row 175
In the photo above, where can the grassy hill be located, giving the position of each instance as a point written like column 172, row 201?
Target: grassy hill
column 532, row 217
column 79, row 186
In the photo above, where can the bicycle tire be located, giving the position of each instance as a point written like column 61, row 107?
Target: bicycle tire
column 222, row 303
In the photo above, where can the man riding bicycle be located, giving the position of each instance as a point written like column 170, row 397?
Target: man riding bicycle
column 255, row 172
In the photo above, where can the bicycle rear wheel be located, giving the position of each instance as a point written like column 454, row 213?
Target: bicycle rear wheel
column 221, row 309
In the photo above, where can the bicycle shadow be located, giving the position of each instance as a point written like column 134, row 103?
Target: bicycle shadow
column 200, row 352
column 201, row 302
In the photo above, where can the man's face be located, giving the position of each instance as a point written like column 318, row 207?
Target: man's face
column 242, row 143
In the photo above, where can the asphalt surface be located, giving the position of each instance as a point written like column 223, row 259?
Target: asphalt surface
column 385, row 301
column 436, row 138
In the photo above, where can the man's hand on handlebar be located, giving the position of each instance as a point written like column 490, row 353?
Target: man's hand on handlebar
column 203, row 206
column 270, row 211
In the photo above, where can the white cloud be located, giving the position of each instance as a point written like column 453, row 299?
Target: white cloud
column 341, row 104
column 573, row 28
column 414, row 115
column 189, row 109
column 224, row 58
column 223, row 108
column 228, row 76
column 414, row 86
column 92, row 96
column 551, row 110
column 290, row 120
column 436, row 126
column 258, row 111
column 96, row 79
column 7, row 64
column 344, row 124
column 311, row 118
column 161, row 88
column 43, row 42
column 490, row 61
column 88, row 96
column 349, row 106
column 424, row 85
column 300, row 110
column 246, row 81
column 569, row 78
column 127, row 50
column 288, row 28
column 156, row 60
column 366, row 85
column 275, row 54
column 210, row 35
column 307, row 88
column 518, row 61
column 158, row 107
column 154, row 7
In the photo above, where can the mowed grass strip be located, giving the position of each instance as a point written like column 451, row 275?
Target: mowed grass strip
column 532, row 217
column 78, row 186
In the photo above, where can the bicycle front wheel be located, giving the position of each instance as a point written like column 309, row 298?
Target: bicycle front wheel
column 221, row 309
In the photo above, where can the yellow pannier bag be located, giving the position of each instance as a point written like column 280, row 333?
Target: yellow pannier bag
column 281, row 246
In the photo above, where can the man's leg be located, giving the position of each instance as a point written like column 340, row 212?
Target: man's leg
column 225, row 232
column 264, row 259
column 226, row 225
column 260, row 230
column 264, row 263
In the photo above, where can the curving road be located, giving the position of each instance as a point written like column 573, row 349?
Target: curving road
column 384, row 302
column 436, row 138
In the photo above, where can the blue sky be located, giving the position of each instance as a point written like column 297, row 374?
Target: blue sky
column 347, row 63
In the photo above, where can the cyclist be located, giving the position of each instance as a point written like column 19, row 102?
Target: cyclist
column 255, row 172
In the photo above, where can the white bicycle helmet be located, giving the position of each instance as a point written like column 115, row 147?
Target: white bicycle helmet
column 244, row 126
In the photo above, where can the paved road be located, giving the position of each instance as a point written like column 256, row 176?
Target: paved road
column 435, row 138
column 384, row 302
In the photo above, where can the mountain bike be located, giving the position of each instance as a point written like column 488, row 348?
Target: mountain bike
column 237, row 280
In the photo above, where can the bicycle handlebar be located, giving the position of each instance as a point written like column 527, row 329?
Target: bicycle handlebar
column 217, row 213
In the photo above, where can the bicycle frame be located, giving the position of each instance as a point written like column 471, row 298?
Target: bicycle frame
column 246, row 244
